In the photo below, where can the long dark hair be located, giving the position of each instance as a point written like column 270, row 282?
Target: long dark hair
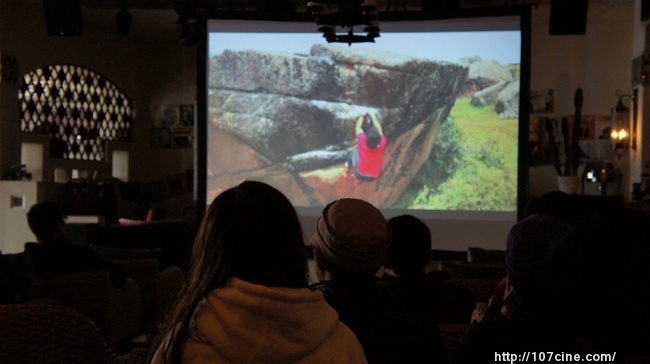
column 250, row 231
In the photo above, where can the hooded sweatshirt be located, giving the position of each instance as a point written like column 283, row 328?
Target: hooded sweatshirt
column 248, row 323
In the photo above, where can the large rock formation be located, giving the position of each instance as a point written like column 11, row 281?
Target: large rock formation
column 294, row 115
column 489, row 82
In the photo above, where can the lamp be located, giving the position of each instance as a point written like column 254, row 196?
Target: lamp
column 620, row 125
column 345, row 14
column 601, row 172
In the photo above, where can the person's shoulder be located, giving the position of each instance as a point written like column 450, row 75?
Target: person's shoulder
column 431, row 279
column 31, row 245
column 438, row 276
column 57, row 243
column 11, row 260
column 31, row 248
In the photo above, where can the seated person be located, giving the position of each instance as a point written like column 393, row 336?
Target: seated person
column 350, row 244
column 597, row 283
column 417, row 292
column 557, row 204
column 245, row 299
column 516, row 319
column 54, row 254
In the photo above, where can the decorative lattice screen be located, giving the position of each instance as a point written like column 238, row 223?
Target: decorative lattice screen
column 79, row 108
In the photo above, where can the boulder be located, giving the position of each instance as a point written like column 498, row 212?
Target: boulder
column 294, row 115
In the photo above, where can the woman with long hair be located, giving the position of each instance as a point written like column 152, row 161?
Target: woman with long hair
column 245, row 299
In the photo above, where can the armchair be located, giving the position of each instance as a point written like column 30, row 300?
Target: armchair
column 159, row 289
column 46, row 333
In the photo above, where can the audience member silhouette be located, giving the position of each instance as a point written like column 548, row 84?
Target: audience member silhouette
column 597, row 284
column 557, row 204
column 350, row 242
column 516, row 319
column 245, row 298
column 54, row 254
column 414, row 290
column 568, row 207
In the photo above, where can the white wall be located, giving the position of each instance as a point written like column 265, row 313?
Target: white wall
column 599, row 62
column 16, row 197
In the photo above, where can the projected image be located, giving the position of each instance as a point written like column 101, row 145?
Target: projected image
column 418, row 120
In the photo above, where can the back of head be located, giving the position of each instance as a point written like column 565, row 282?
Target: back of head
column 373, row 137
column 597, row 283
column 44, row 219
column 556, row 204
column 251, row 232
column 409, row 251
column 352, row 235
column 528, row 245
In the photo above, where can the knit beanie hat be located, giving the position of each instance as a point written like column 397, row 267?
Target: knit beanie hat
column 352, row 234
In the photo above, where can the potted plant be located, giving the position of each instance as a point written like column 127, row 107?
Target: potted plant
column 568, row 180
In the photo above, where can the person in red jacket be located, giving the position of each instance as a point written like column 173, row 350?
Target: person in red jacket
column 367, row 159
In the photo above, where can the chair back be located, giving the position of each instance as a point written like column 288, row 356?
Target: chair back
column 116, row 311
column 46, row 333
column 158, row 289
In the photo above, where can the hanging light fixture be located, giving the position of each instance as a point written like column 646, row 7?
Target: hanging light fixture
column 345, row 14
column 620, row 125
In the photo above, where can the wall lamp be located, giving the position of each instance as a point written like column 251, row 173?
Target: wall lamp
column 346, row 14
column 621, row 124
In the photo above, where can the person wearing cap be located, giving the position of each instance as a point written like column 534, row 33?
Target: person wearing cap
column 349, row 243
column 53, row 254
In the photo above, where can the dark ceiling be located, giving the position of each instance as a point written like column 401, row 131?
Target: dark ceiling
column 296, row 5
column 157, row 20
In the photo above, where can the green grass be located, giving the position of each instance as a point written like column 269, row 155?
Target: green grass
column 482, row 170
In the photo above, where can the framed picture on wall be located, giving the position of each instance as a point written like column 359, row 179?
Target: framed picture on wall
column 169, row 117
column 182, row 137
column 588, row 126
column 187, row 115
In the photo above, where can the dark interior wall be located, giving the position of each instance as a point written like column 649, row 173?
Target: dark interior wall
column 155, row 70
